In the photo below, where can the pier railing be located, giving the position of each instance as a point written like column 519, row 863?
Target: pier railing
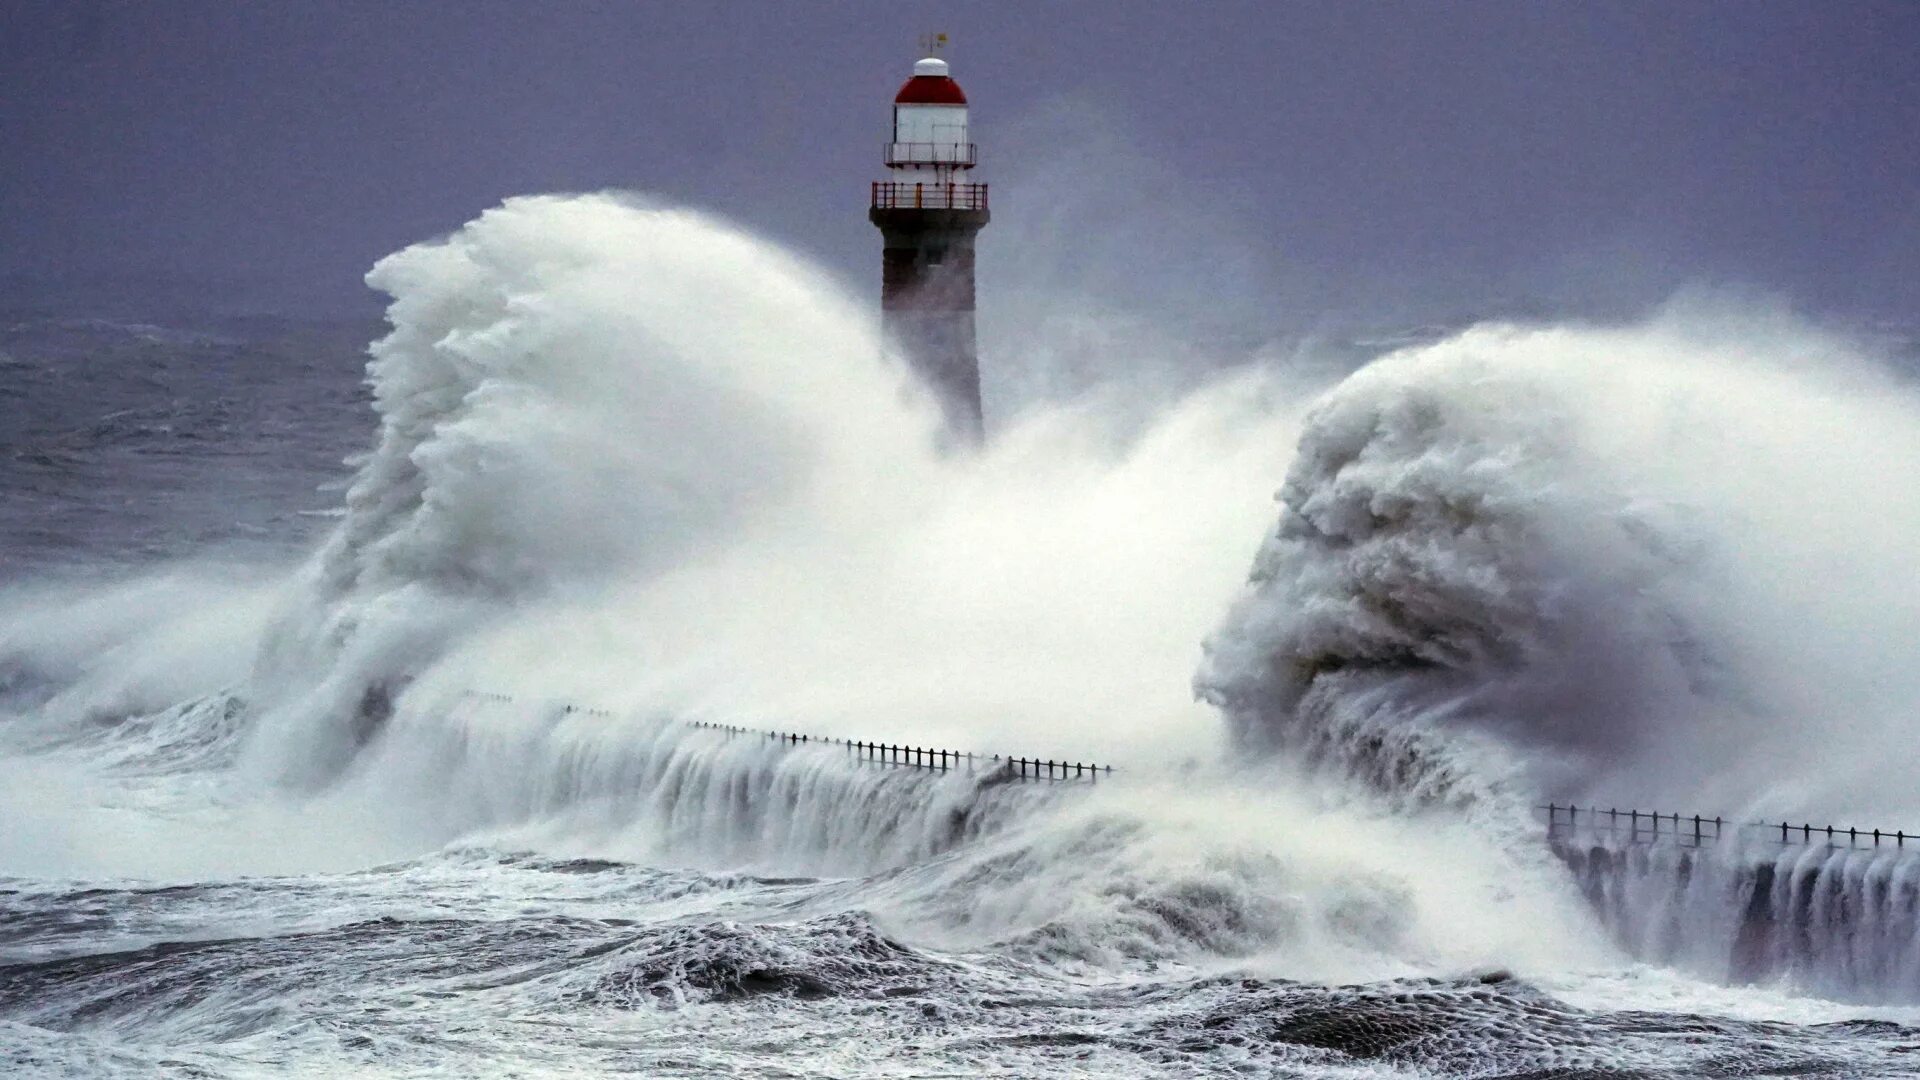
column 910, row 757
column 921, row 757
column 1650, row 827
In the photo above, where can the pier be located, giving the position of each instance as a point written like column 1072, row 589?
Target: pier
column 1566, row 826
column 933, row 759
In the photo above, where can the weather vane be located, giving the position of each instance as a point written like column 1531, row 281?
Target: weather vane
column 931, row 44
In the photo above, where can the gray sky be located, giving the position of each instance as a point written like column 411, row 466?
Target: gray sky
column 1404, row 158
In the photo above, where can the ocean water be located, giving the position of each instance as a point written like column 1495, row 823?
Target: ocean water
column 350, row 701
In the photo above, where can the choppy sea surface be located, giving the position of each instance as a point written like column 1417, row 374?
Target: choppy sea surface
column 192, row 886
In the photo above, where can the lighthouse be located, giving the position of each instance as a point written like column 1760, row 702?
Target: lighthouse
column 928, row 211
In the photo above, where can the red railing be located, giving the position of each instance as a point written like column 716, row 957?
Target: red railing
column 890, row 195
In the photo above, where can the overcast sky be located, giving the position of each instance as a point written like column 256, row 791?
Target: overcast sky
column 1397, row 157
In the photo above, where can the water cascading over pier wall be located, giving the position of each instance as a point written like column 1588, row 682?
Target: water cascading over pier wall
column 1826, row 910
column 743, row 796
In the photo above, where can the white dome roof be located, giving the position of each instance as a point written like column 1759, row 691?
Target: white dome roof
column 932, row 65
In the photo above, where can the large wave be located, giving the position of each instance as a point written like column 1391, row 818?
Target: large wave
column 632, row 457
column 1651, row 565
column 575, row 391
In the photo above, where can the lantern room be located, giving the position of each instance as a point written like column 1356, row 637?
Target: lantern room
column 930, row 125
column 928, row 216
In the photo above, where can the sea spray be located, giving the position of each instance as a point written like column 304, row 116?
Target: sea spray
column 1627, row 565
column 571, row 394
column 1576, row 563
column 629, row 454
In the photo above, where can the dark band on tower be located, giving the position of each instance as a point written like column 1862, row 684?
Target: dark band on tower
column 928, row 215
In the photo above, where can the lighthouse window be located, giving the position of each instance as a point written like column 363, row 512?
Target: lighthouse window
column 936, row 256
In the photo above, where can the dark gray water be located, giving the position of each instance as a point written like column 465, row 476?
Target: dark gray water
column 123, row 442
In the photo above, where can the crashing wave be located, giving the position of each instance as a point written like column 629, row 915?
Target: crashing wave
column 570, row 395
column 1563, row 561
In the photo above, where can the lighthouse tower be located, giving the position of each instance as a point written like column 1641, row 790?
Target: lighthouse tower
column 928, row 212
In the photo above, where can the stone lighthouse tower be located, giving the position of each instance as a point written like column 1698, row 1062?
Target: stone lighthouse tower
column 928, row 212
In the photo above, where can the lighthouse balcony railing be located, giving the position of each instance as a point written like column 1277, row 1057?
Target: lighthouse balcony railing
column 932, row 153
column 892, row 195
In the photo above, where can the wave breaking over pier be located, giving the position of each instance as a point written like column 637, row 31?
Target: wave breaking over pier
column 631, row 455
